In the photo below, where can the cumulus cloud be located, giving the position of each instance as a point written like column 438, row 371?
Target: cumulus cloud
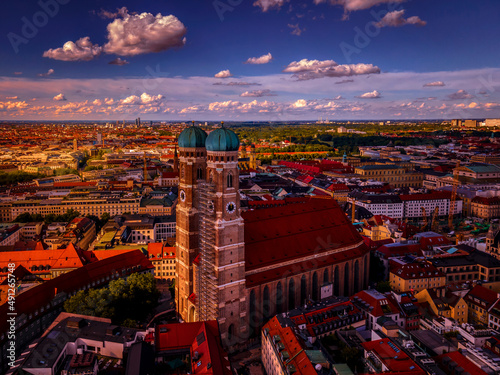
column 435, row 84
column 11, row 97
column 460, row 95
column 49, row 73
column 143, row 99
column 264, row 59
column 370, row 95
column 300, row 103
column 257, row 93
column 265, row 5
column 354, row 5
column 222, row 106
column 13, row 106
column 135, row 34
column 310, row 69
column 296, row 30
column 18, row 73
column 396, row 19
column 223, row 74
column 236, row 83
column 59, row 97
column 118, row 61
column 81, row 50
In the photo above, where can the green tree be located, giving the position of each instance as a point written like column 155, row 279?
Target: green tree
column 125, row 302
column 384, row 286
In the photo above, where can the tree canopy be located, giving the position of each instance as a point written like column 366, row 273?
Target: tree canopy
column 124, row 301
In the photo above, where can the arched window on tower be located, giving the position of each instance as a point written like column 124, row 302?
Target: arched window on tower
column 199, row 174
column 230, row 180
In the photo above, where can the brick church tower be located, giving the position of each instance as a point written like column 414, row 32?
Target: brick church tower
column 222, row 263
column 192, row 170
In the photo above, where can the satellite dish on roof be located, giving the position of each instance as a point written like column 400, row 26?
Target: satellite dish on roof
column 318, row 367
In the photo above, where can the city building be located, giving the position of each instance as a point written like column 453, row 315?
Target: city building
column 485, row 207
column 467, row 264
column 480, row 300
column 415, row 277
column 230, row 264
column 283, row 352
column 163, row 259
column 72, row 342
column 197, row 342
column 397, row 176
column 383, row 356
column 444, row 303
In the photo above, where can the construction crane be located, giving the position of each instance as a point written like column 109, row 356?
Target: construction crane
column 424, row 215
column 453, row 198
column 434, row 222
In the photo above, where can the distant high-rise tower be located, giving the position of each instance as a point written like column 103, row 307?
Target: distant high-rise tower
column 75, row 145
column 99, row 138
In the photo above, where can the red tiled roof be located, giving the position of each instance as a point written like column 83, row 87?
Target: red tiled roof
column 39, row 296
column 200, row 337
column 338, row 187
column 397, row 361
column 378, row 303
column 297, row 230
column 488, row 201
column 488, row 296
column 461, row 361
column 60, row 258
column 417, row 271
column 298, row 356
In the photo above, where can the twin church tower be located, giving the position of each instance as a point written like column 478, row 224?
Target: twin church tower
column 210, row 280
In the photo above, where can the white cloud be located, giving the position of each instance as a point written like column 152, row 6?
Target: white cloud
column 136, row 34
column 354, row 5
column 370, row 95
column 257, row 93
column 396, row 19
column 222, row 106
column 59, row 97
column 118, row 61
column 435, row 84
column 18, row 73
column 13, row 106
column 310, row 69
column 223, row 74
column 81, row 50
column 265, row 5
column 143, row 99
column 49, row 73
column 460, row 95
column 264, row 59
column 11, row 97
column 301, row 103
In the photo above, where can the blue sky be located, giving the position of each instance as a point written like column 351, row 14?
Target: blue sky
column 341, row 59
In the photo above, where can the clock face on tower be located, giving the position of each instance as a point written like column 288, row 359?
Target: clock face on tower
column 211, row 206
column 182, row 195
column 230, row 207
